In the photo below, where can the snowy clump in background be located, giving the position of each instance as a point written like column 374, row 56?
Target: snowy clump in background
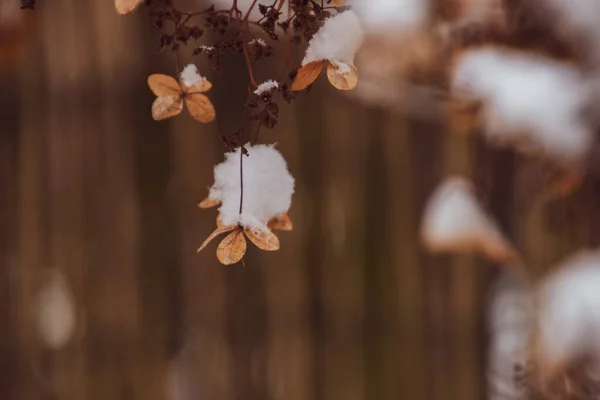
column 529, row 100
column 55, row 311
column 510, row 317
column 390, row 17
column 569, row 313
column 454, row 221
column 337, row 41
column 268, row 187
column 190, row 76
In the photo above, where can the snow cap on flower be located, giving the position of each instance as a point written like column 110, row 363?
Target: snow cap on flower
column 455, row 222
column 568, row 320
column 190, row 76
column 268, row 187
column 337, row 41
column 528, row 100
column 388, row 16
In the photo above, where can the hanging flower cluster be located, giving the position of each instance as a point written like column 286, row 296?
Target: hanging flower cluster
column 253, row 198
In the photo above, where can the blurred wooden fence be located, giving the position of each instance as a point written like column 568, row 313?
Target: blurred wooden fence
column 351, row 308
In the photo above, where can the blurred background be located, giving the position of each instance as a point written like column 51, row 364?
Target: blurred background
column 96, row 192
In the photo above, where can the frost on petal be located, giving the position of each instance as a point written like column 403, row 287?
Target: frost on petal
column 266, row 86
column 389, row 17
column 342, row 76
column 191, row 80
column 166, row 107
column 568, row 325
column 510, row 317
column 454, row 221
column 55, row 311
column 529, row 101
column 338, row 40
column 268, row 187
column 264, row 240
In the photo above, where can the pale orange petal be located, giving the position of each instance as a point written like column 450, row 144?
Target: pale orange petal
column 166, row 106
column 281, row 222
column 200, row 107
column 209, row 203
column 216, row 233
column 307, row 75
column 203, row 86
column 232, row 248
column 264, row 240
column 346, row 80
column 127, row 6
column 163, row 85
column 219, row 221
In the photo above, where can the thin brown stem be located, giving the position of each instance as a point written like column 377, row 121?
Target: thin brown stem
column 248, row 62
column 241, row 179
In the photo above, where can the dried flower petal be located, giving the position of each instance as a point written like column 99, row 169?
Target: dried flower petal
column 264, row 240
column 163, row 85
column 232, row 248
column 342, row 76
column 307, row 75
column 125, row 7
column 281, row 222
column 216, row 233
column 209, row 203
column 201, row 87
column 220, row 221
column 166, row 106
column 200, row 107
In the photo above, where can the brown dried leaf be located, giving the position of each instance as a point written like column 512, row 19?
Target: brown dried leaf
column 264, row 240
column 342, row 80
column 307, row 75
column 281, row 222
column 163, row 85
column 209, row 203
column 338, row 2
column 232, row 248
column 216, row 233
column 202, row 87
column 166, row 106
column 200, row 107
column 125, row 7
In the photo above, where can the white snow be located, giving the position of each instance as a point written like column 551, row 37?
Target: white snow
column 338, row 40
column 266, row 87
column 55, row 311
column 530, row 101
column 391, row 16
column 190, row 76
column 569, row 311
column 268, row 187
column 454, row 221
column 510, row 319
column 259, row 41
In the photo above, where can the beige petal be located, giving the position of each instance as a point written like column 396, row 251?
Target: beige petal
column 163, row 85
column 166, row 106
column 338, row 2
column 200, row 107
column 232, row 248
column 125, row 7
column 281, row 222
column 217, row 232
column 219, row 221
column 307, row 75
column 209, row 203
column 346, row 80
column 263, row 240
column 203, row 86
